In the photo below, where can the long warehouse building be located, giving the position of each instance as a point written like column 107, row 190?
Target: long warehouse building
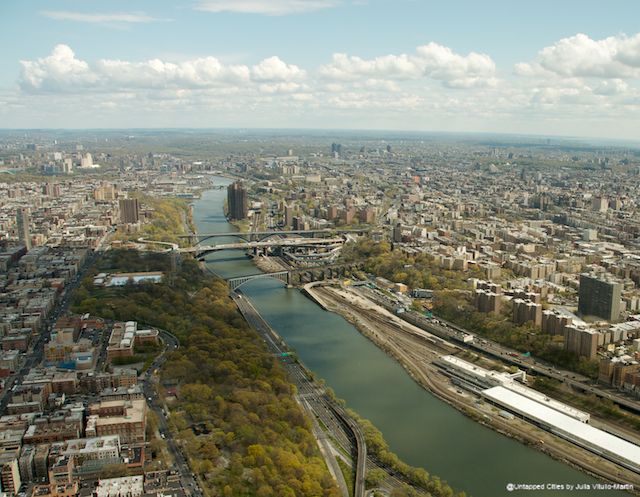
column 583, row 434
column 477, row 379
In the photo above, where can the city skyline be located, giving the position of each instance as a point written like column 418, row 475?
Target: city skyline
column 571, row 70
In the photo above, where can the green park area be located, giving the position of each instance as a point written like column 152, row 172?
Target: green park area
column 235, row 412
column 253, row 438
column 167, row 219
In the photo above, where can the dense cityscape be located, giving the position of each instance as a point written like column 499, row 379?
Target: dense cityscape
column 319, row 248
column 501, row 273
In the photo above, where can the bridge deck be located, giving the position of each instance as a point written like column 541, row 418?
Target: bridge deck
column 285, row 242
column 264, row 233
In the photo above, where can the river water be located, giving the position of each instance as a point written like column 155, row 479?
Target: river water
column 421, row 429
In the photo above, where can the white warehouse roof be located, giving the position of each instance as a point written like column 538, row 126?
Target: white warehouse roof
column 549, row 402
column 583, row 434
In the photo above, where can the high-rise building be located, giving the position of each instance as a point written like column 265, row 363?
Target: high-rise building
column 582, row 342
column 599, row 297
column 10, row 472
column 332, row 212
column 347, row 215
column 488, row 297
column 397, row 233
column 105, row 192
column 129, row 210
column 289, row 214
column 600, row 204
column 22, row 221
column 367, row 215
column 86, row 160
column 526, row 310
column 554, row 322
column 67, row 167
column 300, row 224
column 237, row 201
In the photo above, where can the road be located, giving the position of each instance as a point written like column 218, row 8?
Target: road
column 450, row 331
column 345, row 431
column 187, row 478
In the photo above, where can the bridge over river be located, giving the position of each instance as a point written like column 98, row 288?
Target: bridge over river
column 299, row 276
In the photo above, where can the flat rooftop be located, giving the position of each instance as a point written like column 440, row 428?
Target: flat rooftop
column 582, row 433
column 507, row 381
column 130, row 486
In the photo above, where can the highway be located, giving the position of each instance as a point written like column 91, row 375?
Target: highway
column 452, row 332
column 201, row 250
column 343, row 429
column 259, row 234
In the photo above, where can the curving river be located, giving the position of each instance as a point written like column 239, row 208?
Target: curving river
column 420, row 428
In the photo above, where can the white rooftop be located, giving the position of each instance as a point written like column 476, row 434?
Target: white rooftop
column 130, row 486
column 470, row 368
column 584, row 434
column 549, row 402
column 507, row 381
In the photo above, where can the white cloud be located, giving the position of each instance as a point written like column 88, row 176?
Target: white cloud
column 611, row 87
column 347, row 67
column 59, row 71
column 581, row 56
column 431, row 88
column 155, row 73
column 289, row 87
column 274, row 69
column 431, row 61
column 62, row 71
column 99, row 18
column 265, row 7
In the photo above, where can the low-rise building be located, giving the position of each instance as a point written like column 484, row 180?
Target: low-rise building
column 126, row 418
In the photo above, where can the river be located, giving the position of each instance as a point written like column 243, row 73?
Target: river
column 420, row 428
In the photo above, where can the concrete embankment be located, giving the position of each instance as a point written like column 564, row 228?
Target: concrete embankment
column 309, row 291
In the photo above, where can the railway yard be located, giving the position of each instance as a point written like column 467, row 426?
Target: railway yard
column 418, row 351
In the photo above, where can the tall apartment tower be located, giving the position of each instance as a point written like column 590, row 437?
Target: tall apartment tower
column 67, row 167
column 129, row 210
column 599, row 297
column 237, row 201
column 289, row 214
column 22, row 221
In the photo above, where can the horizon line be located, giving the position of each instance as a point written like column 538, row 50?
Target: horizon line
column 338, row 130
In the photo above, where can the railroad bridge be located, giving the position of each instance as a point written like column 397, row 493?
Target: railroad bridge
column 300, row 276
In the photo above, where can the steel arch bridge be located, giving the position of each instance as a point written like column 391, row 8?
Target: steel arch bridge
column 235, row 283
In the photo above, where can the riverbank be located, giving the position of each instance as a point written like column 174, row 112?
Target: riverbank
column 321, row 404
column 420, row 428
column 417, row 365
column 268, row 264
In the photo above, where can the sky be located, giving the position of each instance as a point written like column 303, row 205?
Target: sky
column 562, row 67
